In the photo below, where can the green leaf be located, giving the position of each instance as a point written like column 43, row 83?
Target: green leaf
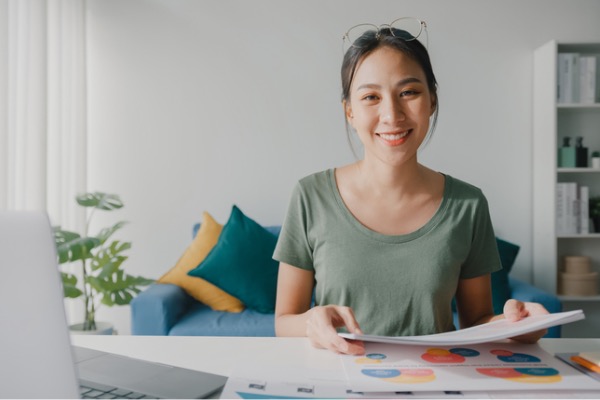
column 99, row 200
column 70, row 286
column 119, row 288
column 107, row 232
column 62, row 236
column 109, row 259
column 76, row 249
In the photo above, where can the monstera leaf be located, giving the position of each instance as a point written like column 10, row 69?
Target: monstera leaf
column 101, row 201
column 70, row 288
column 70, row 246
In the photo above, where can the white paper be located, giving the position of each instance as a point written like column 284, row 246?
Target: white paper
column 483, row 367
column 492, row 331
column 252, row 382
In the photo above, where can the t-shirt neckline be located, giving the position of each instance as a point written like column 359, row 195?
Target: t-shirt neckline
column 433, row 221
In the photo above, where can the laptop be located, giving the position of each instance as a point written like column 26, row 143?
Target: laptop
column 37, row 359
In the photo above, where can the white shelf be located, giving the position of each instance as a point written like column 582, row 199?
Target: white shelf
column 578, row 106
column 579, row 298
column 552, row 122
column 580, row 236
column 578, row 170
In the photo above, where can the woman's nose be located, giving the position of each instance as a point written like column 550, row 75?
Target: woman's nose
column 391, row 111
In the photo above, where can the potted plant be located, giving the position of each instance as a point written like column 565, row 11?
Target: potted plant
column 594, row 204
column 101, row 279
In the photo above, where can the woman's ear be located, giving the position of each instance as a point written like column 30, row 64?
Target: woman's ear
column 433, row 105
column 348, row 111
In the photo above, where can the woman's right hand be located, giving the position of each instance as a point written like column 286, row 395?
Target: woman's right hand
column 321, row 329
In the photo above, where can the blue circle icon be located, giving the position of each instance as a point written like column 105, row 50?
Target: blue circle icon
column 538, row 371
column 376, row 356
column 519, row 358
column 381, row 373
column 464, row 352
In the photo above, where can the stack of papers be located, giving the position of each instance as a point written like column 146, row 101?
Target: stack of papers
column 489, row 332
column 469, row 363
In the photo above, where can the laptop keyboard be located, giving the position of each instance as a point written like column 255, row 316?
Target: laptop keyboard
column 92, row 390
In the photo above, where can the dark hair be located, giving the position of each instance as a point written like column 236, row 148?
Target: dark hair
column 371, row 40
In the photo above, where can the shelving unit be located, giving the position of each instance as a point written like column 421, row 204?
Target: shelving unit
column 552, row 122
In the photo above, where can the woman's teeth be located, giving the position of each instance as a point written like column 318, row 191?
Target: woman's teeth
column 397, row 136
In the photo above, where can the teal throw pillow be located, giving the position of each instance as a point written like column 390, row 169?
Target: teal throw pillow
column 500, row 286
column 242, row 263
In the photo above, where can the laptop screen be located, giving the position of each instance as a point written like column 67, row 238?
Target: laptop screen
column 35, row 349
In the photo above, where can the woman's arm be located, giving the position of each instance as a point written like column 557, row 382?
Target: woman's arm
column 474, row 305
column 474, row 301
column 294, row 293
column 294, row 317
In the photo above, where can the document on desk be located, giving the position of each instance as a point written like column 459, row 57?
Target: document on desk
column 489, row 367
column 289, row 383
column 492, row 331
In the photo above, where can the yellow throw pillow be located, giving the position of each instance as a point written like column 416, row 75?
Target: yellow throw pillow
column 209, row 294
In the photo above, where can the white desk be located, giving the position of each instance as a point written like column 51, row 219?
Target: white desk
column 218, row 355
column 221, row 355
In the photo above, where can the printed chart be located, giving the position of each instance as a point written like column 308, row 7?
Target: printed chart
column 491, row 366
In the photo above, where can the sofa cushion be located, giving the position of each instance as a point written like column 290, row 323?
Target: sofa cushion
column 242, row 263
column 274, row 229
column 201, row 290
column 200, row 320
column 500, row 285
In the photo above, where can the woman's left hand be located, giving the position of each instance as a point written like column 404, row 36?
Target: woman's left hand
column 515, row 310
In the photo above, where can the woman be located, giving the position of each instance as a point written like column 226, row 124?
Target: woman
column 385, row 243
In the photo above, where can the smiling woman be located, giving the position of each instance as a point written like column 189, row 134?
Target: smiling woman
column 386, row 243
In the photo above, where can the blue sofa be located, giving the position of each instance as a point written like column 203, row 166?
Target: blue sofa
column 165, row 309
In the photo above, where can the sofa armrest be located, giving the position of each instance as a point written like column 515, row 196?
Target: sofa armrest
column 524, row 291
column 155, row 310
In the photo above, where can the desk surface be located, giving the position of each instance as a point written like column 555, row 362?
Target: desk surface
column 221, row 355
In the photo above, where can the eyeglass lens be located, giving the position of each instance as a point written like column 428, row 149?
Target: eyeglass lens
column 405, row 28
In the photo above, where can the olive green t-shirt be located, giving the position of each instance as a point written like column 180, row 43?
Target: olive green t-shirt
column 397, row 285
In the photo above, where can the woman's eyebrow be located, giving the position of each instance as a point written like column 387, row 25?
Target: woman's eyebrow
column 399, row 83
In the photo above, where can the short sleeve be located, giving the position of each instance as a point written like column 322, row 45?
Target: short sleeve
column 293, row 245
column 483, row 257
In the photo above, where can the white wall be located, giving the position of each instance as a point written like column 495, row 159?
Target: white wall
column 197, row 105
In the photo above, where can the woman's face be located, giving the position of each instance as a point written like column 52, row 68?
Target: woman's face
column 390, row 105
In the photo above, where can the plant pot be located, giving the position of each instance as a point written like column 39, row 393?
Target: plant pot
column 102, row 328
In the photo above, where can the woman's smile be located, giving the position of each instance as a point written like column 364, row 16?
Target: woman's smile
column 394, row 138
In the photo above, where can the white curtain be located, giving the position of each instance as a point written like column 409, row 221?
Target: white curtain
column 43, row 108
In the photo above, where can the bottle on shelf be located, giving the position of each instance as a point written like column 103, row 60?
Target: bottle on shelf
column 581, row 153
column 566, row 154
column 596, row 160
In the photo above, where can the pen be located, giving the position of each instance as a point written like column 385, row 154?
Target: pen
column 585, row 363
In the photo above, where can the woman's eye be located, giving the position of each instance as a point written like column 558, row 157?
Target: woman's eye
column 370, row 97
column 408, row 93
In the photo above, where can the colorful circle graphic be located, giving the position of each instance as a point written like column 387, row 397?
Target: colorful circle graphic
column 523, row 375
column 510, row 357
column 372, row 358
column 442, row 356
column 416, row 375
column 376, row 356
column 464, row 352
column 381, row 373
